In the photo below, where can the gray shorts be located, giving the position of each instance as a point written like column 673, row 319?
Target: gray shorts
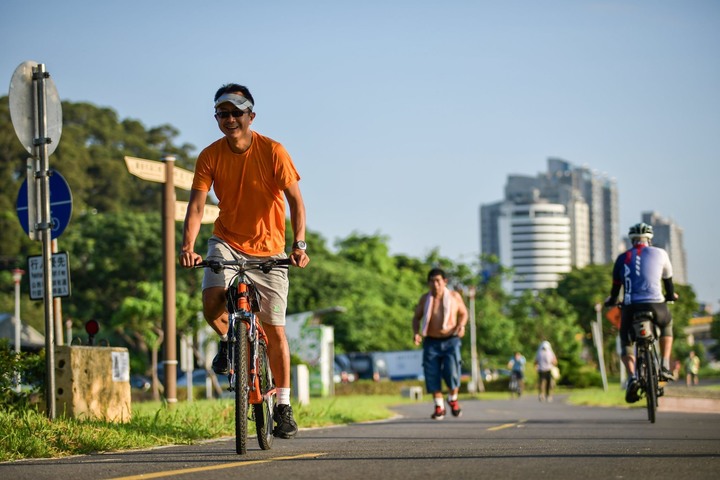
column 273, row 286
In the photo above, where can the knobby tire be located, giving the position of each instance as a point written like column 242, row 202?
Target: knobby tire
column 241, row 394
column 264, row 411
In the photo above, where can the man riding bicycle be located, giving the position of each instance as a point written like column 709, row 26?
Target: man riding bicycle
column 517, row 369
column 643, row 271
column 252, row 176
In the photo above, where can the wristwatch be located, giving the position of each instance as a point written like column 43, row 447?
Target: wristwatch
column 299, row 245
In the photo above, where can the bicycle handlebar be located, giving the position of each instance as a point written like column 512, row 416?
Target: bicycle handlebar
column 622, row 304
column 244, row 265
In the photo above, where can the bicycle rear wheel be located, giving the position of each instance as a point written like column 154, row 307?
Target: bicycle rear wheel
column 240, row 385
column 652, row 385
column 264, row 410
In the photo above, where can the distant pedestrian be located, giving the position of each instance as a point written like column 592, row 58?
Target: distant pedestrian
column 545, row 360
column 439, row 324
column 692, row 369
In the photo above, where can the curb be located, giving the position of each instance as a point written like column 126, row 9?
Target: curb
column 689, row 405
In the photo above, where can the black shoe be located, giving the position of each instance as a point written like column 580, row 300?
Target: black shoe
column 285, row 423
column 220, row 362
column 666, row 375
column 631, row 395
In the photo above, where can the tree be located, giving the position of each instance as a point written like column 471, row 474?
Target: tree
column 583, row 288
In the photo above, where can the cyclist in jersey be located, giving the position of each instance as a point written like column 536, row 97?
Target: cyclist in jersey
column 644, row 271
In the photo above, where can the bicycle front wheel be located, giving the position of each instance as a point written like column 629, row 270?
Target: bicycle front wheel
column 652, row 385
column 264, row 410
column 241, row 393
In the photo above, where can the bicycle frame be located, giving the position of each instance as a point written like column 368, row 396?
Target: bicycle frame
column 239, row 311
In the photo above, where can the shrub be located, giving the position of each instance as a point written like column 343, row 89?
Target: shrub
column 31, row 367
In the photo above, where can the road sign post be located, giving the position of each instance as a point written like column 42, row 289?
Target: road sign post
column 171, row 176
column 169, row 324
column 36, row 114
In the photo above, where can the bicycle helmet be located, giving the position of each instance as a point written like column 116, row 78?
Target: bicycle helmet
column 640, row 230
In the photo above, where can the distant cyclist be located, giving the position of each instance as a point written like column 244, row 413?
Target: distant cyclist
column 643, row 271
column 517, row 370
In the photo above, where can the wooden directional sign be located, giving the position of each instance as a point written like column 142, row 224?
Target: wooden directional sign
column 211, row 212
column 154, row 171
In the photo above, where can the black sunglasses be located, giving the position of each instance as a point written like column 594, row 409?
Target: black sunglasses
column 234, row 114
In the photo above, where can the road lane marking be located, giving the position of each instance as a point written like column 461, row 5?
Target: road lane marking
column 506, row 425
column 182, row 471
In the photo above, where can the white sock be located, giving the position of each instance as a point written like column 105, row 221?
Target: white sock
column 666, row 363
column 224, row 338
column 283, row 396
column 439, row 402
column 452, row 398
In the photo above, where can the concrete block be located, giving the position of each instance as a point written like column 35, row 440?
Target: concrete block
column 93, row 382
column 414, row 393
column 300, row 381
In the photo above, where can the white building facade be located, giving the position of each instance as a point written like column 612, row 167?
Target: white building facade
column 536, row 240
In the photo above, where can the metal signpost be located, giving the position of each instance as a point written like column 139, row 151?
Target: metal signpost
column 17, row 277
column 597, row 334
column 36, row 115
column 476, row 383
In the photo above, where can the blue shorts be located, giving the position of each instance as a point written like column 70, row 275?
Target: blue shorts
column 441, row 361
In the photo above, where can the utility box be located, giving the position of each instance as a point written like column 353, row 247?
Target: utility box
column 93, row 383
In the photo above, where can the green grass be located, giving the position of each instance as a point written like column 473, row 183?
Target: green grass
column 29, row 434
column 597, row 397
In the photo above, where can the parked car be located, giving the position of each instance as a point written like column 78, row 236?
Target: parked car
column 198, row 378
column 369, row 366
column 140, row 382
column 343, row 371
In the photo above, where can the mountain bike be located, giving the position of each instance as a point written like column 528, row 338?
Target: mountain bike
column 647, row 366
column 249, row 371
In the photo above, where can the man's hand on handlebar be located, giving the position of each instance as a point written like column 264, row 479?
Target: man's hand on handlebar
column 610, row 302
column 189, row 259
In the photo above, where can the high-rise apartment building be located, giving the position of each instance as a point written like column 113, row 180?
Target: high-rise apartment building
column 567, row 216
column 668, row 236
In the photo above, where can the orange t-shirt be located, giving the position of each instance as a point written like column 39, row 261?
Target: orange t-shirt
column 249, row 187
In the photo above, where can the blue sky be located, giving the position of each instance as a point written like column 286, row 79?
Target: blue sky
column 403, row 117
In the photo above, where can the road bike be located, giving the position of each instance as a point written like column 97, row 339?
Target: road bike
column 645, row 334
column 249, row 371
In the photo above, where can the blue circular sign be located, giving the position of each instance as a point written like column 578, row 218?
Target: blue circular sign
column 60, row 205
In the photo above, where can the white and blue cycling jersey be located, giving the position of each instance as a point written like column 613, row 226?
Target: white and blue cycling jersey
column 640, row 271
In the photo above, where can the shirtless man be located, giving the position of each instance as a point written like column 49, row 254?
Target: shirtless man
column 439, row 324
